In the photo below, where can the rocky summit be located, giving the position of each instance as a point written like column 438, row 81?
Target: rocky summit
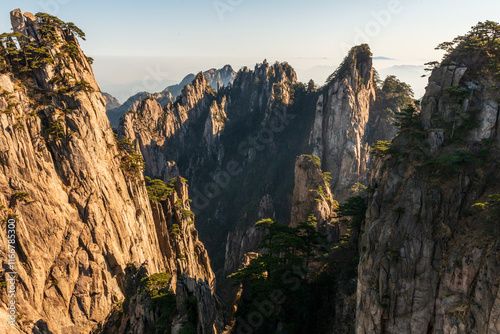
column 248, row 201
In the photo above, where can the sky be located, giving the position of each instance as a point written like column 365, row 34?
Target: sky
column 147, row 45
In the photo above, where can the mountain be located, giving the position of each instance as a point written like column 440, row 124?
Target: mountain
column 429, row 251
column 221, row 77
column 111, row 101
column 345, row 208
column 261, row 123
column 90, row 242
column 238, row 147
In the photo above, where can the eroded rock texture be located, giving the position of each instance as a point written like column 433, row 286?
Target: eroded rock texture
column 82, row 213
column 430, row 258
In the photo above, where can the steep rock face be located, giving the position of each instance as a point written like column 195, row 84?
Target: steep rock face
column 220, row 77
column 312, row 195
column 215, row 123
column 216, row 78
column 342, row 113
column 81, row 216
column 114, row 114
column 111, row 101
column 210, row 143
column 165, row 135
column 429, row 259
column 189, row 265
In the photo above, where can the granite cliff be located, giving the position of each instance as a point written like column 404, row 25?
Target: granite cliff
column 429, row 250
column 85, row 222
column 216, row 78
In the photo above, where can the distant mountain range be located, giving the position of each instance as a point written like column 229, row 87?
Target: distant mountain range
column 216, row 77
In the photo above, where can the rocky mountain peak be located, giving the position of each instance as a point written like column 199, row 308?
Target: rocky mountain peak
column 427, row 246
column 85, row 218
column 312, row 195
column 338, row 136
column 111, row 101
column 56, row 59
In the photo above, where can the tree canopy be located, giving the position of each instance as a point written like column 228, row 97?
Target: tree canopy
column 282, row 269
column 481, row 46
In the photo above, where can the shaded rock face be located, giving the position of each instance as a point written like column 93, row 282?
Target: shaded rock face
column 190, row 135
column 81, row 218
column 189, row 266
column 165, row 135
column 429, row 260
column 341, row 121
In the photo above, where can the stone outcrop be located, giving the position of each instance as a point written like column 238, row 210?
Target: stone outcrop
column 82, row 212
column 312, row 196
column 429, row 259
column 221, row 77
column 111, row 101
column 165, row 135
column 216, row 78
column 342, row 113
column 188, row 265
column 114, row 114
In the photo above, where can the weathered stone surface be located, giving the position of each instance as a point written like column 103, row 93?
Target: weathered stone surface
column 81, row 218
column 342, row 113
column 428, row 264
column 111, row 101
column 187, row 261
column 312, row 196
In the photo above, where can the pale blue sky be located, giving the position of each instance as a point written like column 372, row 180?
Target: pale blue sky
column 134, row 41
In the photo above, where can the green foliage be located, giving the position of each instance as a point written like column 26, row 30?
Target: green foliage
column 187, row 213
column 355, row 209
column 381, row 148
column 20, row 55
column 152, row 284
column 11, row 103
column 407, row 119
column 457, row 92
column 191, row 306
column 282, row 266
column 131, row 162
column 311, row 86
column 312, row 158
column 19, row 195
column 327, row 176
column 56, row 129
column 156, row 286
column 392, row 86
column 360, row 52
column 392, row 96
column 165, row 303
column 157, row 190
column 480, row 47
column 175, row 230
column 480, row 206
column 431, row 66
column 451, row 162
column 486, row 216
column 50, row 23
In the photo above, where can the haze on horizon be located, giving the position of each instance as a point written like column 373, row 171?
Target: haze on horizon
column 140, row 47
